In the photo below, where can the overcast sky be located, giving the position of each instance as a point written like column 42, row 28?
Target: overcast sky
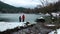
column 26, row 3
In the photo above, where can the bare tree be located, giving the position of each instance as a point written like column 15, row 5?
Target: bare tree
column 44, row 2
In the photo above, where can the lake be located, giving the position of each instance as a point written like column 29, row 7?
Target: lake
column 15, row 17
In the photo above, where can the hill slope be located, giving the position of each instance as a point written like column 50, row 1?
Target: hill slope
column 5, row 8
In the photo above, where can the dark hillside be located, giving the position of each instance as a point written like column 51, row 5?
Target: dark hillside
column 5, row 8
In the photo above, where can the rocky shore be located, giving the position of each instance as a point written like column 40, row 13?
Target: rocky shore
column 32, row 29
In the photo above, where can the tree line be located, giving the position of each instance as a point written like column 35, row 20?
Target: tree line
column 5, row 8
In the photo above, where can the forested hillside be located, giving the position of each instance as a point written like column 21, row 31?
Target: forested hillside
column 5, row 8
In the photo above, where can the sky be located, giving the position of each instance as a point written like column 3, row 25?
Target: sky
column 26, row 3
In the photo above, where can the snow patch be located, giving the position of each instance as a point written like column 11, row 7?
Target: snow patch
column 58, row 31
column 10, row 25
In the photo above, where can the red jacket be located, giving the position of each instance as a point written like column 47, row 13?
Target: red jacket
column 23, row 17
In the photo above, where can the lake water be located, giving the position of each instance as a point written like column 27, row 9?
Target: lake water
column 15, row 17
